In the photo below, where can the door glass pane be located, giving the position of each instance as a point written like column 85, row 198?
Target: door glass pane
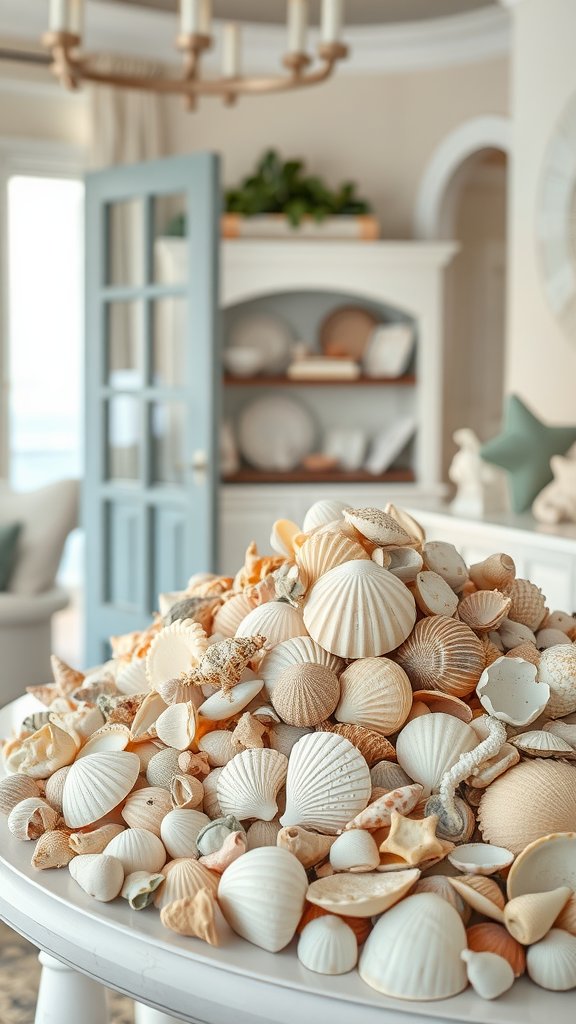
column 169, row 340
column 167, row 426
column 123, row 438
column 125, row 330
column 170, row 224
column 126, row 243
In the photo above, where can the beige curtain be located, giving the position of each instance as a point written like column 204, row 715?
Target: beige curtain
column 126, row 123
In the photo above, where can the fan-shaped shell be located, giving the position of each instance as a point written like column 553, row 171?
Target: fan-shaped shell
column 403, row 958
column 388, row 775
column 232, row 613
column 137, row 849
column 323, row 512
column 295, row 651
column 484, row 610
column 262, row 896
column 162, row 767
column 551, row 963
column 275, row 620
column 442, row 654
column 328, row 946
column 175, row 649
column 539, row 743
column 328, row 783
column 429, row 746
column 132, row 679
column 528, row 603
column 372, row 745
column 145, row 808
column 184, row 877
column 557, row 668
column 359, row 610
column 306, row 694
column 96, row 784
column 374, row 693
column 249, row 783
column 15, row 788
column 323, row 551
column 531, row 800
column 489, row 937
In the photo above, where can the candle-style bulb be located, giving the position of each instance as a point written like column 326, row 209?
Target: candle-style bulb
column 297, row 25
column 66, row 16
column 231, row 50
column 190, row 17
column 332, row 21
column 206, row 17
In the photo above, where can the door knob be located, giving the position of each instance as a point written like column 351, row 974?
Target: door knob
column 199, row 466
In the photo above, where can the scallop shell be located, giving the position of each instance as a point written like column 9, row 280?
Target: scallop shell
column 324, row 551
column 403, row 958
column 305, row 694
column 138, row 850
column 538, row 743
column 545, row 864
column 528, row 918
column 96, row 784
column 482, row 894
column 275, row 620
column 248, row 785
column 132, row 679
column 179, row 830
column 328, row 946
column 557, row 668
column 361, row 926
column 184, row 877
column 359, row 610
column 176, row 726
column 528, row 603
column 372, row 745
column 531, row 800
column 489, row 974
column 376, row 694
column 354, row 851
column 489, row 937
column 139, row 888
column 263, row 833
column 112, row 736
column 30, row 818
column 405, row 563
column 232, row 613
column 224, row 705
column 429, row 746
column 443, row 559
column 41, row 754
column 218, row 747
column 388, row 776
column 442, row 654
column 508, row 690
column 262, row 897
column 328, row 783
column 497, row 572
column 323, row 512
column 295, row 652
column 284, row 737
column 162, row 767
column 175, row 649
column 377, row 526
column 95, row 841
column 551, row 963
column 100, row 875
column 15, row 788
column 145, row 808
column 484, row 610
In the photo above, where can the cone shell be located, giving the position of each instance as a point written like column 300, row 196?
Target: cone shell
column 482, row 894
column 322, row 513
column 263, row 833
column 328, row 783
column 138, row 850
column 528, row 604
column 96, row 784
column 248, row 785
column 175, row 649
column 551, row 963
column 489, row 937
column 497, row 572
column 53, row 850
column 403, row 958
column 376, row 694
column 359, row 610
column 100, row 875
column 262, row 897
column 372, row 745
column 528, row 918
column 429, row 746
column 306, row 694
column 324, row 551
column 31, row 818
column 328, row 946
column 184, row 877
column 531, row 800
column 296, row 651
column 275, row 620
column 232, row 613
column 145, row 808
column 15, row 788
column 442, row 654
column 557, row 668
column 484, row 610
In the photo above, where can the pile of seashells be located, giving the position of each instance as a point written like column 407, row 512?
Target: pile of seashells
column 358, row 739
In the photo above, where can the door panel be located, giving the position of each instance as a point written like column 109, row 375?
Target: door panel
column 152, row 379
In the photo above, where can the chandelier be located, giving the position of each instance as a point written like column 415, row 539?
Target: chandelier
column 64, row 38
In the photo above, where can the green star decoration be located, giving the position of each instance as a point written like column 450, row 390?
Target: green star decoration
column 524, row 449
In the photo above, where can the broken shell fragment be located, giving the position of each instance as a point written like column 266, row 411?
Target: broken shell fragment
column 361, row 895
column 482, row 894
column 545, row 864
column 194, row 915
column 480, row 858
column 508, row 690
column 139, row 888
column 53, row 850
column 30, row 818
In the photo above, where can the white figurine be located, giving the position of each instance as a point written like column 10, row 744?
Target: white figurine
column 480, row 487
column 556, row 503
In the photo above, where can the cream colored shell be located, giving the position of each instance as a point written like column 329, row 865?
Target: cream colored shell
column 175, row 649
column 96, row 784
column 306, row 694
column 275, row 620
column 545, row 864
column 557, row 668
column 100, row 875
column 184, row 877
column 429, row 746
column 232, row 613
column 295, row 651
column 324, row 551
column 262, row 896
column 328, row 946
column 374, row 693
column 323, row 512
column 551, row 963
column 531, row 800
column 442, row 654
column 137, row 849
column 248, row 785
column 509, row 690
column 328, row 783
column 145, row 808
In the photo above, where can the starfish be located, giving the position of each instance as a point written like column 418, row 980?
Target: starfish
column 414, row 840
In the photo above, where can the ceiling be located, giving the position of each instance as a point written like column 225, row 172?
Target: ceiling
column 358, row 12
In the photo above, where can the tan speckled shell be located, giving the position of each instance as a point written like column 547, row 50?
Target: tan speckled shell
column 489, row 937
column 496, row 572
column 531, row 800
column 293, row 652
column 442, row 654
column 53, row 850
column 323, row 551
column 372, row 745
column 146, row 807
column 528, row 604
column 306, row 694
column 376, row 694
column 484, row 610
column 442, row 558
column 377, row 526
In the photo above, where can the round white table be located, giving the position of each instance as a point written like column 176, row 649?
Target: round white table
column 86, row 945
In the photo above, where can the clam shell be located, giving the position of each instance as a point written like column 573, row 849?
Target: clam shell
column 484, row 610
column 328, row 946
column 531, row 800
column 218, row 746
column 95, row 841
column 354, row 851
column 305, row 694
column 551, row 963
column 249, row 783
column 508, row 690
column 489, row 974
column 15, row 788
column 429, row 746
column 359, row 610
column 480, row 858
column 262, row 897
column 175, row 649
column 232, row 613
column 328, row 783
column 210, row 804
column 544, row 864
column 275, row 620
column 324, row 551
column 372, row 745
column 138, row 850
column 496, row 572
column 376, row 694
column 162, row 767
column 408, row 523
column 283, row 737
column 442, row 654
column 184, row 877
column 489, row 937
column 323, row 512
column 132, row 679
column 539, row 743
column 145, row 808
column 100, row 875
column 139, row 888
column 403, row 958
column 361, row 926
column 30, row 818
column 112, row 736
column 179, row 830
column 42, row 753
column 282, row 537
column 387, row 775
column 482, row 894
column 528, row 603
column 528, row 918
column 295, row 651
column 557, row 668
column 96, row 784
column 405, row 563
column 433, row 595
column 443, row 559
column 377, row 526
column 263, row 833
column 224, row 705
column 176, row 726
column 512, row 634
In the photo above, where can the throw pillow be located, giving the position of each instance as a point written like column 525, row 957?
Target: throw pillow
column 47, row 516
column 8, row 552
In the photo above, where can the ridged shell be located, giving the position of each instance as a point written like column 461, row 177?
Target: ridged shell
column 496, row 572
column 175, row 649
column 543, row 865
column 283, row 737
column 138, row 850
column 275, row 620
column 403, row 958
column 249, row 784
column 211, row 806
column 484, row 610
column 100, row 875
column 528, row 603
column 132, row 679
column 295, row 652
column 96, row 784
column 162, row 767
column 328, row 783
column 218, row 747
column 262, row 833
column 232, row 613
column 354, row 851
column 531, row 800
column 376, row 694
column 53, row 850
column 440, row 886
column 31, row 818
column 306, row 694
column 528, row 918
column 15, row 788
column 328, row 946
column 262, row 897
column 323, row 512
column 323, row 551
column 184, row 877
column 429, row 746
column 539, row 743
column 482, row 894
column 551, row 963
column 179, row 830
column 145, row 808
column 557, row 667
column 442, row 654
column 359, row 610
column 388, row 775
column 489, row 937
column 112, row 736
column 372, row 745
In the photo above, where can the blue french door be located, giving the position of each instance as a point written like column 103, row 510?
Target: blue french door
column 152, row 382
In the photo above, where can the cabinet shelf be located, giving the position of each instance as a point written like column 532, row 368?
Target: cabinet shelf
column 303, row 476
column 407, row 380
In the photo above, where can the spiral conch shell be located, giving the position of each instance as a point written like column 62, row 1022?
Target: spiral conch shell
column 442, row 654
column 375, row 693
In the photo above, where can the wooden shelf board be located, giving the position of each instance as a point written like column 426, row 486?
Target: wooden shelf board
column 283, row 382
column 301, row 476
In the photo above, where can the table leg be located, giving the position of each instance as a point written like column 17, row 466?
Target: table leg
column 68, row 997
column 146, row 1015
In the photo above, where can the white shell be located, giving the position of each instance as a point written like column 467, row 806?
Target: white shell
column 551, row 963
column 211, row 806
column 146, row 808
column 139, row 888
column 179, row 830
column 480, row 858
column 354, row 851
column 429, row 746
column 489, row 974
column 184, row 877
column 96, row 784
column 403, row 958
column 144, row 722
column 224, row 705
column 323, row 512
column 275, row 620
column 109, row 737
column 262, row 896
column 294, row 652
column 362, row 895
column 175, row 649
column 376, row 694
column 32, row 817
column 218, row 747
column 508, row 690
column 137, row 850
column 262, row 833
column 541, row 743
column 248, row 785
column 284, row 737
column 557, row 668
column 132, row 679
column 176, row 726
column 359, row 610
column 100, row 875
column 328, row 783
column 328, row 945
column 543, row 865
column 231, row 614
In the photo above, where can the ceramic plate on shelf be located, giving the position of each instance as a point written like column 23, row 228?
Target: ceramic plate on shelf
column 347, row 444
column 346, row 331
column 275, row 433
column 267, row 334
column 388, row 444
column 389, row 350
